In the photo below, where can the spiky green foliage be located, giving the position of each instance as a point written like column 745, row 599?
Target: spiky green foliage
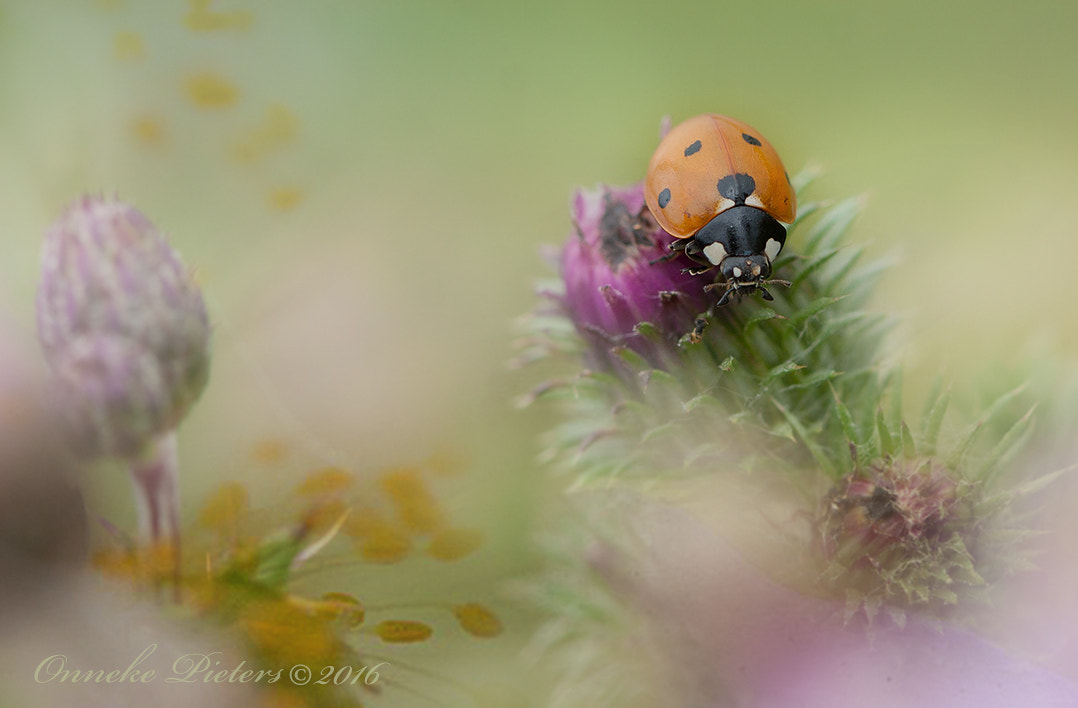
column 763, row 379
column 801, row 389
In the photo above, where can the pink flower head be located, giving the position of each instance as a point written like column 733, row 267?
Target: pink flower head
column 612, row 282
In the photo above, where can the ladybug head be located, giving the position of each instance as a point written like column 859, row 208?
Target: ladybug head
column 745, row 274
column 746, row 270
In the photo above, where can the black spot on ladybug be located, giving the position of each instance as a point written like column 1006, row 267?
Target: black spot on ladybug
column 621, row 232
column 694, row 148
column 664, row 197
column 749, row 139
column 736, row 187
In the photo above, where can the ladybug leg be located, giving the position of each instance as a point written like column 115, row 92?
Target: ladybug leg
column 676, row 247
column 695, row 251
column 668, row 257
column 725, row 297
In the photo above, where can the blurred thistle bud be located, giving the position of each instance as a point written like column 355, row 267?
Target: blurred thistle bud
column 613, row 284
column 901, row 532
column 123, row 326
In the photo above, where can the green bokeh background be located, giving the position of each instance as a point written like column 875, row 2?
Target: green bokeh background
column 439, row 143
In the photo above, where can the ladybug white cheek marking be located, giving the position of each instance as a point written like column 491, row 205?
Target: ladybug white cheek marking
column 725, row 204
column 715, row 253
column 753, row 200
column 772, row 248
column 737, row 272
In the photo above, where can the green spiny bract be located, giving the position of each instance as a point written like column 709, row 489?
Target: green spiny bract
column 798, row 390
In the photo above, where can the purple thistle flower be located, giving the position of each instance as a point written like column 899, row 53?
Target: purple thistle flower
column 611, row 282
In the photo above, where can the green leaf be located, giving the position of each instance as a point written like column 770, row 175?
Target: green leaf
column 804, row 178
column 909, row 448
column 808, row 440
column 894, row 386
column 661, row 431
column 849, row 428
column 813, row 380
column 887, row 442
column 958, row 456
column 630, row 357
column 703, row 401
column 802, row 315
column 1042, row 482
column 782, row 369
column 1008, row 446
column 833, row 278
column 815, row 264
column 829, row 229
column 762, row 315
column 275, row 557
column 933, row 422
column 864, row 278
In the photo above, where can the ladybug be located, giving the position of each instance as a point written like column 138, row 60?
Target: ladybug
column 720, row 188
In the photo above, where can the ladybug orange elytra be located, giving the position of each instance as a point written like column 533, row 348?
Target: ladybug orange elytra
column 720, row 188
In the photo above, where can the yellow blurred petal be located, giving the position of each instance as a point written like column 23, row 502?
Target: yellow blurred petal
column 225, row 508
column 445, row 463
column 158, row 560
column 278, row 129
column 287, row 633
column 281, row 126
column 128, row 46
column 385, row 546
column 209, row 90
column 201, row 18
column 348, row 607
column 269, row 451
column 148, row 131
column 116, row 563
column 402, row 631
column 477, row 620
column 324, row 515
column 285, row 198
column 142, row 567
column 327, row 481
column 453, row 544
column 364, row 522
column 415, row 505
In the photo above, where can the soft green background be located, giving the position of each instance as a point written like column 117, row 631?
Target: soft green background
column 439, row 143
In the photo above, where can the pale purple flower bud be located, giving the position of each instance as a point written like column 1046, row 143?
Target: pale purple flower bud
column 122, row 324
column 111, row 393
column 612, row 282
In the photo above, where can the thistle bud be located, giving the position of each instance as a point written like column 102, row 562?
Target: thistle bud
column 123, row 326
column 901, row 533
column 613, row 282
